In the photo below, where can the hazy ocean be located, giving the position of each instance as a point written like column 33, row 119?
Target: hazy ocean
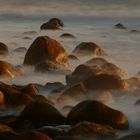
column 88, row 20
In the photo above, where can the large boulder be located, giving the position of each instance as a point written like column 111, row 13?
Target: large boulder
column 46, row 49
column 81, row 73
column 8, row 70
column 52, row 24
column 104, row 81
column 42, row 113
column 3, row 49
column 97, row 112
column 86, row 48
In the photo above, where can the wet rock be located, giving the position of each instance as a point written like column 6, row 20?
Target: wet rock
column 67, row 35
column 97, row 112
column 112, row 69
column 27, row 38
column 135, row 31
column 45, row 49
column 72, row 94
column 8, row 70
column 86, row 48
column 91, row 129
column 51, row 131
column 54, row 86
column 120, row 26
column 69, row 138
column 96, row 61
column 3, row 49
column 81, row 73
column 104, row 81
column 1, row 98
column 42, row 113
column 137, row 103
column 52, row 24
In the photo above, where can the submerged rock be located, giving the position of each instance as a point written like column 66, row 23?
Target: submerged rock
column 97, row 112
column 3, row 49
column 67, row 35
column 120, row 26
column 52, row 24
column 86, row 48
column 46, row 49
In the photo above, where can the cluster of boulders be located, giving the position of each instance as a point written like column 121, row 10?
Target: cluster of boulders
column 36, row 117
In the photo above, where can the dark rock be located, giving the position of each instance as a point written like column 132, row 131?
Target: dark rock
column 54, row 86
column 88, row 48
column 3, row 49
column 4, row 128
column 91, row 129
column 67, row 35
column 120, row 26
column 135, row 31
column 69, row 138
column 104, row 81
column 97, row 112
column 42, row 113
column 45, row 49
column 52, row 24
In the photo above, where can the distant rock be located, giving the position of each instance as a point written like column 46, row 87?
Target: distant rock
column 97, row 112
column 120, row 26
column 3, row 49
column 20, row 49
column 46, row 49
column 86, row 48
column 67, row 35
column 52, row 24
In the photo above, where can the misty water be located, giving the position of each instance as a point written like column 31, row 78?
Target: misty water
column 92, row 22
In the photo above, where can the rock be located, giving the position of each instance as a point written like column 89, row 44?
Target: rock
column 8, row 70
column 52, row 24
column 69, row 138
column 137, row 103
column 97, row 112
column 27, row 38
column 30, row 32
column 3, row 49
column 120, row 26
column 51, row 131
column 104, row 81
column 86, row 48
column 45, row 49
column 81, row 73
column 4, row 128
column 135, row 31
column 30, row 89
column 42, row 113
column 90, row 129
column 54, row 86
column 18, row 100
column 67, row 35
column 24, row 136
column 112, row 69
column 96, row 61
column 1, row 98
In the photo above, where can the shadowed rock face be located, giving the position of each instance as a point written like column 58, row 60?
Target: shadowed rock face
column 3, row 49
column 94, row 111
column 86, row 48
column 46, row 49
column 8, row 70
column 67, row 35
column 52, row 24
column 42, row 113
